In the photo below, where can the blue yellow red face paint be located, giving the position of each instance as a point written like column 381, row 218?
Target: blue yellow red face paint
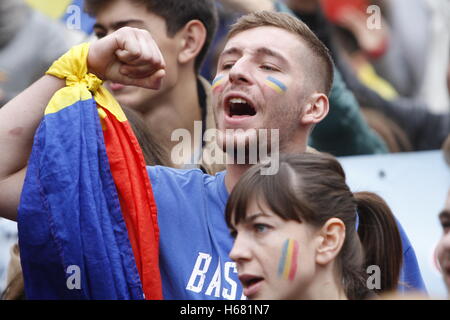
column 287, row 266
column 275, row 84
column 270, row 81
column 217, row 82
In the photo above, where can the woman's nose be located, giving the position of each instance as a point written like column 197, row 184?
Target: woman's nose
column 240, row 250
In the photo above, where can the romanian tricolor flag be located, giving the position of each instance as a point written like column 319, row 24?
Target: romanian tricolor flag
column 87, row 219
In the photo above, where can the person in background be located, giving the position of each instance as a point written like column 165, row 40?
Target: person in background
column 418, row 52
column 424, row 130
column 29, row 43
column 183, row 30
column 443, row 248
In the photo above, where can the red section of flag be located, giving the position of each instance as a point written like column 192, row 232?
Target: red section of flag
column 136, row 200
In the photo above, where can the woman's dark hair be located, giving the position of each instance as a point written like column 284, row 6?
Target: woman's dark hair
column 311, row 188
column 154, row 153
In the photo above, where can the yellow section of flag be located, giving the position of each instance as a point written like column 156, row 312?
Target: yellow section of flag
column 80, row 85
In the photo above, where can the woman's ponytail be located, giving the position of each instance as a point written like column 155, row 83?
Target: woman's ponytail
column 380, row 239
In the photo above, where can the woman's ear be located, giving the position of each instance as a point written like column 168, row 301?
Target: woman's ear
column 316, row 109
column 193, row 37
column 331, row 238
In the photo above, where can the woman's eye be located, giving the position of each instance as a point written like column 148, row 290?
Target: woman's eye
column 260, row 227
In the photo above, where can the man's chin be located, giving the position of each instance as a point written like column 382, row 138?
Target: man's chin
column 130, row 98
column 242, row 149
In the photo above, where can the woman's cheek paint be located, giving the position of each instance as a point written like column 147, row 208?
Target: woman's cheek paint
column 287, row 267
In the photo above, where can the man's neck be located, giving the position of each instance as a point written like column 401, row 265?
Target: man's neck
column 235, row 171
column 178, row 110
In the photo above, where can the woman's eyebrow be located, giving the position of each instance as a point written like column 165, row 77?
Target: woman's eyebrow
column 252, row 217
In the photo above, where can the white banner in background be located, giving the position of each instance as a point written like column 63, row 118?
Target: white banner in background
column 415, row 186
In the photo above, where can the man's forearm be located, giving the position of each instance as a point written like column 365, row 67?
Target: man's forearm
column 19, row 119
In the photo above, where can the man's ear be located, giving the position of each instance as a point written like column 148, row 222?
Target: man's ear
column 193, row 37
column 331, row 238
column 316, row 109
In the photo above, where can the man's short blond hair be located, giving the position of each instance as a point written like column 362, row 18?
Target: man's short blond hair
column 323, row 63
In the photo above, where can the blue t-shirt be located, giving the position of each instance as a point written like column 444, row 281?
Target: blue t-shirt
column 195, row 240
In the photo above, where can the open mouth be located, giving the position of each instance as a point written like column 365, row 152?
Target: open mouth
column 251, row 284
column 239, row 107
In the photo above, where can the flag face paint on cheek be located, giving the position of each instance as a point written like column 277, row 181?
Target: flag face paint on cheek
column 275, row 84
column 217, row 83
column 287, row 266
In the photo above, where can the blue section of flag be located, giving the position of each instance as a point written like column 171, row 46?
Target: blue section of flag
column 70, row 214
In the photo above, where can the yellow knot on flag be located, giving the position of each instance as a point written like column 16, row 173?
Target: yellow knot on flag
column 81, row 85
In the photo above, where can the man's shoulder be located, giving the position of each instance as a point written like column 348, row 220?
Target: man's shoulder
column 176, row 172
column 186, row 191
column 182, row 177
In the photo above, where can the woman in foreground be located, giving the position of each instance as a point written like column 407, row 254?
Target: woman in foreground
column 302, row 234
